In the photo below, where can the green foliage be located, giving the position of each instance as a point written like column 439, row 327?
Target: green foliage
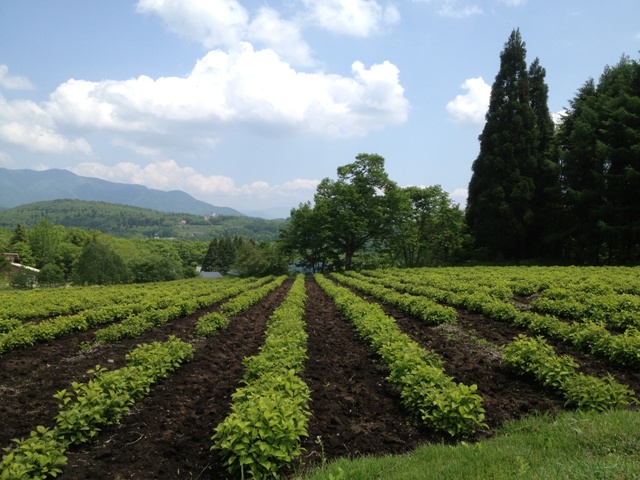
column 430, row 228
column 38, row 457
column 23, row 279
column 51, row 275
column 536, row 357
column 500, row 207
column 129, row 222
column 425, row 389
column 90, row 406
column 221, row 254
column 259, row 259
column 598, row 151
column 419, row 307
column 269, row 413
column 262, row 433
column 99, row 265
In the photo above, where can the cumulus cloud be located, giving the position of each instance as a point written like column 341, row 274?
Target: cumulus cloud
column 359, row 18
column 459, row 195
column 280, row 35
column 210, row 22
column 253, row 89
column 12, row 82
column 168, row 175
column 451, row 8
column 225, row 23
column 26, row 124
column 470, row 109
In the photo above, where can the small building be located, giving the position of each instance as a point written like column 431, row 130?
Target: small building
column 210, row 275
column 14, row 258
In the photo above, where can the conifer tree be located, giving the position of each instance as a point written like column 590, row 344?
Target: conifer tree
column 502, row 191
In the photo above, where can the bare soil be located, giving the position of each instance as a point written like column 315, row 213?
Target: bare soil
column 167, row 435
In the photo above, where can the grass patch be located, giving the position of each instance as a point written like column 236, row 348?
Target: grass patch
column 569, row 446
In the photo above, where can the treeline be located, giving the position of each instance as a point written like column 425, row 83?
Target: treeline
column 558, row 193
column 82, row 257
column 129, row 222
column 365, row 220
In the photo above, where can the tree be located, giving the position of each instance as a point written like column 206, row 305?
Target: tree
column 51, row 275
column 502, row 193
column 221, row 254
column 258, row 259
column 358, row 207
column 431, row 228
column 582, row 177
column 599, row 149
column 99, row 265
column 547, row 204
column 44, row 240
column 23, row 279
column 305, row 239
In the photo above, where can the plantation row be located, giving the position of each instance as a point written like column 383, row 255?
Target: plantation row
column 262, row 434
column 491, row 299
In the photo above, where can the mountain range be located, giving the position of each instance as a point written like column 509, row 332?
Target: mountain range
column 21, row 187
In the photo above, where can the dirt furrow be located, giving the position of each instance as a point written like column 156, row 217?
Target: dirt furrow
column 30, row 377
column 354, row 412
column 167, row 435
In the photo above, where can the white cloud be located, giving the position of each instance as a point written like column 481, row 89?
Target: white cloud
column 253, row 89
column 557, row 116
column 359, row 18
column 470, row 109
column 210, row 22
column 12, row 82
column 280, row 35
column 26, row 124
column 217, row 189
column 459, row 195
column 451, row 8
column 514, row 3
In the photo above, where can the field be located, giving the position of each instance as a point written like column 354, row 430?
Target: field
column 338, row 366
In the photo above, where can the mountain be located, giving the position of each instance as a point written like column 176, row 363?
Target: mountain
column 21, row 187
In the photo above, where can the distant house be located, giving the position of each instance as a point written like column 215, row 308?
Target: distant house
column 210, row 275
column 14, row 258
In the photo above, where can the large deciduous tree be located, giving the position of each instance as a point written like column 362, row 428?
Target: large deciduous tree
column 358, row 207
column 99, row 265
column 503, row 196
column 430, row 228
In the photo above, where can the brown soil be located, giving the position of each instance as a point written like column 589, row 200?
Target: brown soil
column 354, row 412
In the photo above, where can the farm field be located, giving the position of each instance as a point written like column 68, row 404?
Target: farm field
column 389, row 360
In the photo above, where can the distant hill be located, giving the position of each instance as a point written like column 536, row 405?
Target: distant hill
column 21, row 187
column 128, row 221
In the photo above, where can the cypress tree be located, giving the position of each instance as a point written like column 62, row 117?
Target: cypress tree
column 547, row 205
column 502, row 192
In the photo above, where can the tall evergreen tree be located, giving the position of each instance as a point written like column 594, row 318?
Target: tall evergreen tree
column 547, row 205
column 599, row 142
column 582, row 177
column 502, row 192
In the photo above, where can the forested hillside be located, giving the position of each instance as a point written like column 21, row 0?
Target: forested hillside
column 128, row 221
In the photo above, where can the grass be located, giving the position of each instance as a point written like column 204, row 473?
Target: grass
column 570, row 446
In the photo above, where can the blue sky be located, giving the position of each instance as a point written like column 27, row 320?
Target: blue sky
column 249, row 104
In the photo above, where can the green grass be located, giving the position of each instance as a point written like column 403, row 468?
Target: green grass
column 569, row 446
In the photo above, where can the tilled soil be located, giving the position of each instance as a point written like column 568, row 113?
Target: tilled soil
column 167, row 435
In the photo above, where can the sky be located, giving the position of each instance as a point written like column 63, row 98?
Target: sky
column 248, row 104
